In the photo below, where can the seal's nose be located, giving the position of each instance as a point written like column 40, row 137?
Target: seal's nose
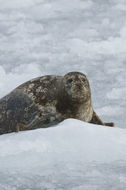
column 78, row 84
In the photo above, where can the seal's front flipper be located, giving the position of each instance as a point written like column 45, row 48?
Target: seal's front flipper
column 111, row 124
column 96, row 120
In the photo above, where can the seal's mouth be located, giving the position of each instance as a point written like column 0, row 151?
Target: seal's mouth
column 78, row 89
column 77, row 94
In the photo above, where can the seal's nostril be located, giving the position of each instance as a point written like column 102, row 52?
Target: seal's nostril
column 78, row 84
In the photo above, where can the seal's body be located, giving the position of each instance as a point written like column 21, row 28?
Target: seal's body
column 47, row 100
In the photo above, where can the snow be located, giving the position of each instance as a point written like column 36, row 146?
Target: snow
column 71, row 155
column 39, row 37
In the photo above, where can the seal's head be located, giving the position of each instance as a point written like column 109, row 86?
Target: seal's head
column 75, row 86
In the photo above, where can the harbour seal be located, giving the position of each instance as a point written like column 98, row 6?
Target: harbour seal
column 47, row 100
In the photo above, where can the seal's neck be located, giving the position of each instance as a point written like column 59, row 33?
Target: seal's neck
column 78, row 110
column 85, row 112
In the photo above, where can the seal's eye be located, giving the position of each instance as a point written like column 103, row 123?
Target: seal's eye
column 83, row 79
column 69, row 81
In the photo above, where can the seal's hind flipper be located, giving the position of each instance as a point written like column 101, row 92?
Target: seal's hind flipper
column 96, row 120
column 21, row 127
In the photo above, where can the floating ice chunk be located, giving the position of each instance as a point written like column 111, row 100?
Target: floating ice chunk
column 15, row 4
column 117, row 93
column 110, row 110
column 72, row 154
column 120, row 6
column 110, row 46
column 123, row 33
column 2, row 73
column 84, row 141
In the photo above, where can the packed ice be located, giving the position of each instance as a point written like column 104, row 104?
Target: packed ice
column 40, row 37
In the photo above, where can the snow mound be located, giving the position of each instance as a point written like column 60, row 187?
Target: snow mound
column 60, row 157
column 91, row 142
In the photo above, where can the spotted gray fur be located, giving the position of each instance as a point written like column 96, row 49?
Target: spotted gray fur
column 47, row 100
